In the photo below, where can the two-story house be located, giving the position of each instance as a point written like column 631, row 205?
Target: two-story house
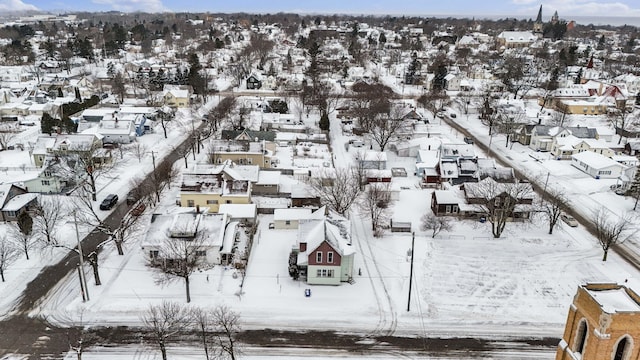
column 242, row 152
column 206, row 185
column 323, row 254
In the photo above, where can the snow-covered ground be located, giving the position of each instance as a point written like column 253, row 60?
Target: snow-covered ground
column 465, row 282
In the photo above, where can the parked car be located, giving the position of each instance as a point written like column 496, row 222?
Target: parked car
column 468, row 140
column 453, row 115
column 139, row 209
column 569, row 220
column 272, row 226
column 109, row 202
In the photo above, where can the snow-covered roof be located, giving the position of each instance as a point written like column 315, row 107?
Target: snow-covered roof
column 239, row 211
column 19, row 201
column 291, row 214
column 446, row 197
column 614, row 300
column 268, row 178
column 595, row 160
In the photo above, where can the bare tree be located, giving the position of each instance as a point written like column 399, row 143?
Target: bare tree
column 165, row 115
column 434, row 101
column 221, row 112
column 386, row 126
column 488, row 109
column 91, row 164
column 553, row 205
column 78, row 336
column 8, row 131
column 506, row 123
column 139, row 150
column 338, row 191
column 179, row 258
column 464, row 101
column 611, row 230
column 217, row 329
column 435, row 223
column 165, row 321
column 9, row 253
column 621, row 117
column 22, row 232
column 497, row 202
column 204, row 325
column 227, row 325
column 375, row 203
column 48, row 216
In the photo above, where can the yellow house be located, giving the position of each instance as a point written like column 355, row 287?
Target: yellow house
column 209, row 186
column 242, row 153
column 584, row 107
column 602, row 324
column 176, row 96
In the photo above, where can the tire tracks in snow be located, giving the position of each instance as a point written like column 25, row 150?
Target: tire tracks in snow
column 388, row 318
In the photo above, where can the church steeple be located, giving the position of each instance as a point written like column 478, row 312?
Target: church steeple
column 539, row 18
column 537, row 25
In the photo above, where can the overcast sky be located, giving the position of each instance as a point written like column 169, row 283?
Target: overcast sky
column 520, row 8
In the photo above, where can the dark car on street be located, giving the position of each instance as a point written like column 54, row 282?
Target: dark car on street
column 109, row 202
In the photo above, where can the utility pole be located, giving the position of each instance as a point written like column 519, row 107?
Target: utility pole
column 83, row 280
column 544, row 191
column 153, row 159
column 413, row 240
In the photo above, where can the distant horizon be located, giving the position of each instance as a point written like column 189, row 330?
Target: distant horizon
column 523, row 9
column 612, row 20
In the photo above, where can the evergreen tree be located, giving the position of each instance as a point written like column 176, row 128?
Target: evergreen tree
column 634, row 188
column 324, row 122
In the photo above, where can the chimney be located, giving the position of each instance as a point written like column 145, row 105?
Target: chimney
column 303, row 246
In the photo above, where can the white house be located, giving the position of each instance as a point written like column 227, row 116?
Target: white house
column 597, row 165
column 291, row 218
column 186, row 225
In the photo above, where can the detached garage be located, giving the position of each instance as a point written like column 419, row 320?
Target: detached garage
column 597, row 165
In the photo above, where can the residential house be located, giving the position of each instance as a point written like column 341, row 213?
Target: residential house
column 427, row 165
column 488, row 193
column 248, row 135
column 291, row 218
column 564, row 147
column 516, row 39
column 15, row 200
column 64, row 144
column 598, row 165
column 302, row 196
column 176, row 96
column 208, row 186
column 116, row 131
column 243, row 213
column 602, row 324
column 632, row 147
column 242, row 152
column 187, row 225
column 452, row 82
column 523, row 134
column 254, row 81
column 445, row 202
column 323, row 253
column 48, row 181
column 268, row 183
column 378, row 176
column 543, row 137
column 372, row 160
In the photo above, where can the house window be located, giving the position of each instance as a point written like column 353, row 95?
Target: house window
column 11, row 214
column 46, row 182
column 229, row 202
column 325, row 273
column 190, row 203
column 46, row 173
column 604, row 172
column 153, row 254
column 287, row 222
column 622, row 350
column 249, row 161
column 212, row 202
column 319, row 257
column 330, row 257
column 581, row 336
column 201, row 253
